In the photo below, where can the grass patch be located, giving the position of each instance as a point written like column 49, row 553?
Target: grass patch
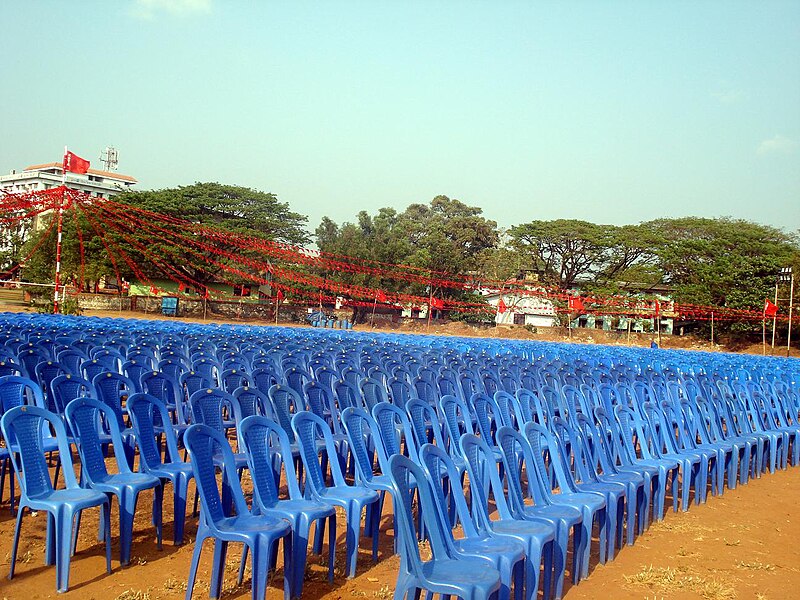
column 756, row 565
column 672, row 580
column 132, row 594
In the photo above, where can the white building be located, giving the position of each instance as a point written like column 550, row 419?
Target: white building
column 523, row 310
column 103, row 184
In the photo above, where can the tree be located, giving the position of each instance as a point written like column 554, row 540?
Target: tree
column 567, row 251
column 234, row 209
column 722, row 262
column 228, row 208
column 445, row 236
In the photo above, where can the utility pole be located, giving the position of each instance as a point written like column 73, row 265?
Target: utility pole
column 788, row 275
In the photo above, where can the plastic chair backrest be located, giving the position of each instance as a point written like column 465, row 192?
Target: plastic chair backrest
column 394, row 430
column 373, row 391
column 111, row 388
column 308, row 429
column 18, row 391
column 208, row 407
column 204, row 445
column 23, row 428
column 142, row 409
column 85, row 417
column 359, row 424
column 264, row 443
column 66, row 388
column 285, row 404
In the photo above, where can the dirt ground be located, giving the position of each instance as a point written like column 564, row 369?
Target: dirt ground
column 741, row 545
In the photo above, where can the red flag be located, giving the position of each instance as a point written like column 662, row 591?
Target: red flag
column 770, row 309
column 658, row 307
column 501, row 306
column 181, row 286
column 279, row 296
column 154, row 290
column 75, row 164
column 437, row 303
column 381, row 296
column 575, row 303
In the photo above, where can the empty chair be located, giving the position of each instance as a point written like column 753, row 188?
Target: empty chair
column 308, row 429
column 446, row 572
column 146, row 412
column 83, row 416
column 22, row 427
column 506, row 553
column 266, row 444
column 259, row 533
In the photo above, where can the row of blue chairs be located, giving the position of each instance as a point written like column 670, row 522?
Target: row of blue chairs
column 605, row 410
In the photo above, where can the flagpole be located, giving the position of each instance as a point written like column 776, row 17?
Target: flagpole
column 774, row 318
column 764, row 334
column 789, row 333
column 372, row 318
column 430, row 306
column 276, row 309
column 60, row 228
column 658, row 321
column 712, row 327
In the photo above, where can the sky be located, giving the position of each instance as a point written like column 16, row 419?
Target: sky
column 613, row 112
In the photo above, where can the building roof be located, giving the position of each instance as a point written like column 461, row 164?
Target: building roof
column 59, row 166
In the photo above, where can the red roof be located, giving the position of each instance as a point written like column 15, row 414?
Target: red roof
column 59, row 166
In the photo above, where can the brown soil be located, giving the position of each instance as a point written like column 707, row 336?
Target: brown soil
column 741, row 545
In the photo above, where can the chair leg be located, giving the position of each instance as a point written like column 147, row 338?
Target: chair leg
column 180, row 491
column 218, row 567
column 353, row 535
column 158, row 508
column 15, row 542
column 63, row 536
column 198, row 547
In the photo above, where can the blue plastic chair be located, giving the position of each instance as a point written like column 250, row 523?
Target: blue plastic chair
column 447, row 572
column 143, row 409
column 84, row 416
column 258, row 532
column 591, row 504
column 22, row 427
column 507, row 554
column 266, row 445
column 309, row 429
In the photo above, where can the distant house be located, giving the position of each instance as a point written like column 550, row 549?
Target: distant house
column 523, row 310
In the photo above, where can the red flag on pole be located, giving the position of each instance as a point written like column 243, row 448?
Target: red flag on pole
column 154, row 290
column 770, row 309
column 501, row 306
column 279, row 296
column 437, row 303
column 75, row 164
column 381, row 296
column 575, row 303
column 658, row 307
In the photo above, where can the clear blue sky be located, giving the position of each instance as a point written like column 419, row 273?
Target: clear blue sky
column 614, row 112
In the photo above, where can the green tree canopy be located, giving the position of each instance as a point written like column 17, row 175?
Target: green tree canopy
column 445, row 235
column 230, row 208
column 722, row 262
column 567, row 251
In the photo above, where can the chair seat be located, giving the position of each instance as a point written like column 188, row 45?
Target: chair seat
column 348, row 493
column 314, row 510
column 253, row 524
column 141, row 481
column 518, row 527
column 171, row 470
column 465, row 571
column 77, row 497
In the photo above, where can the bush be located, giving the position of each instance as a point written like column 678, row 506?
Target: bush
column 69, row 306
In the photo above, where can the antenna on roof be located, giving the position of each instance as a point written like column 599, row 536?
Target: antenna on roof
column 110, row 158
